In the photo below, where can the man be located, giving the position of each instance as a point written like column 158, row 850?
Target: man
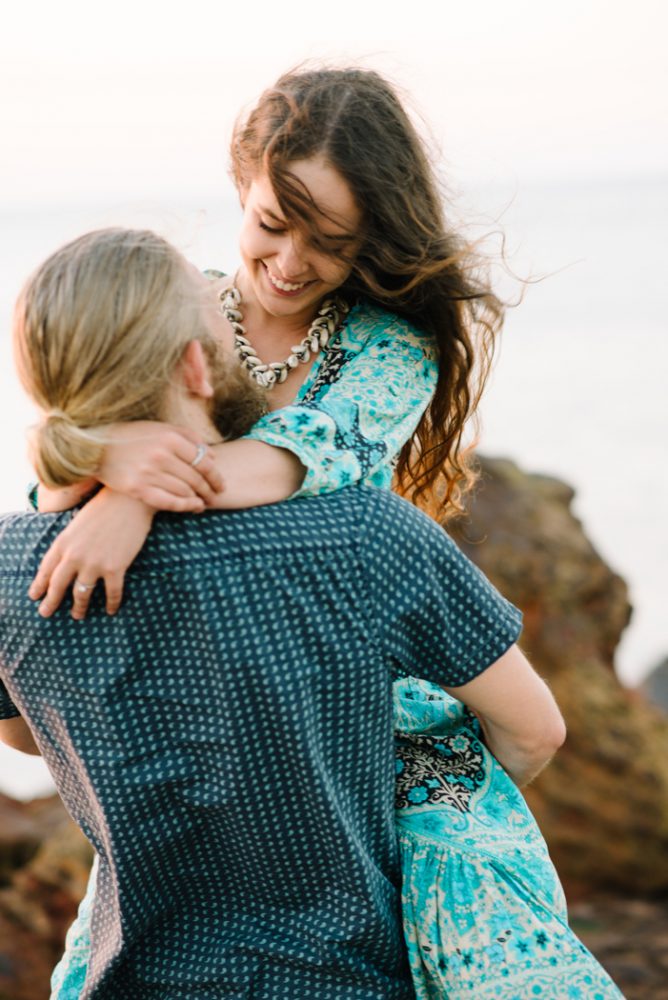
column 225, row 740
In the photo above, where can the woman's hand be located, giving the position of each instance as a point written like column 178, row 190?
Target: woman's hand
column 100, row 543
column 153, row 462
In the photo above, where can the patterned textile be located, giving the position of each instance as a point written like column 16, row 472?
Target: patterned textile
column 226, row 740
column 361, row 402
column 484, row 912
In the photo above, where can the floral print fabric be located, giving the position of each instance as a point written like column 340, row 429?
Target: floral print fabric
column 361, row 403
column 483, row 909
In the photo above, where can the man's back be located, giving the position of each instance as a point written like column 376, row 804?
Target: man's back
column 225, row 741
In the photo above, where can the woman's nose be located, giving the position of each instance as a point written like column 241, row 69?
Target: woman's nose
column 291, row 258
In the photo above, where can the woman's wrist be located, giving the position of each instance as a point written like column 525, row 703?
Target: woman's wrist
column 50, row 501
column 255, row 474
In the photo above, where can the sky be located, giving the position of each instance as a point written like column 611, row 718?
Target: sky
column 135, row 96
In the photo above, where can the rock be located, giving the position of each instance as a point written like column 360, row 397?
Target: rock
column 630, row 939
column 603, row 802
column 20, row 836
column 44, row 864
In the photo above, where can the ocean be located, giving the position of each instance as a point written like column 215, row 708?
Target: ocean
column 578, row 389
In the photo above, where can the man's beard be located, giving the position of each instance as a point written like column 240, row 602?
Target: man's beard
column 237, row 402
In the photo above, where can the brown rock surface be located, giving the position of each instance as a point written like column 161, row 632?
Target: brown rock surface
column 44, row 862
column 630, row 938
column 603, row 802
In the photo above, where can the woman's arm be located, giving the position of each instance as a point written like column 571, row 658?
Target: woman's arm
column 258, row 474
column 153, row 462
column 371, row 390
column 520, row 719
column 369, row 395
column 150, row 461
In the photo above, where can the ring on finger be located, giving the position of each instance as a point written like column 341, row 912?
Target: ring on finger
column 201, row 452
column 83, row 588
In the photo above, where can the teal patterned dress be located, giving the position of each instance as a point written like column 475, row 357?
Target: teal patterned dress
column 484, row 915
column 483, row 909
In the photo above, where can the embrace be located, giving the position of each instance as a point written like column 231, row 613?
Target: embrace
column 289, row 715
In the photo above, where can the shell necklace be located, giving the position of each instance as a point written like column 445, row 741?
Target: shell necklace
column 331, row 315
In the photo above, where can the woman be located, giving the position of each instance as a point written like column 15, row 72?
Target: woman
column 333, row 154
column 339, row 201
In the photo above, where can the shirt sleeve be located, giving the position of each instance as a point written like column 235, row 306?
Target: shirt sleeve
column 363, row 407
column 436, row 615
column 8, row 709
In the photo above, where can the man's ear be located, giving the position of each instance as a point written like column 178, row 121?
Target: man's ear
column 195, row 370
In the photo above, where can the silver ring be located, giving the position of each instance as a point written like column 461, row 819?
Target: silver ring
column 201, row 452
column 83, row 588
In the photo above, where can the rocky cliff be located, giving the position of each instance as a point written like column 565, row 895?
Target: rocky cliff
column 603, row 802
column 44, row 862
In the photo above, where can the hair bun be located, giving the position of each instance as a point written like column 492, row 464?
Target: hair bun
column 63, row 452
column 59, row 416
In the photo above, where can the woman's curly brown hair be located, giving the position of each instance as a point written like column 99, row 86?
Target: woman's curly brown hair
column 408, row 261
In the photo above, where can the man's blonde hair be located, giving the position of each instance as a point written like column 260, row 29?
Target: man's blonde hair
column 98, row 331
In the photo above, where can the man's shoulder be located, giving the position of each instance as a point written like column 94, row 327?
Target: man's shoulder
column 333, row 522
column 380, row 522
column 360, row 506
column 396, row 514
column 328, row 519
column 398, row 533
column 25, row 537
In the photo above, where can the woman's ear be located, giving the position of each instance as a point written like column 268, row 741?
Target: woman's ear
column 195, row 373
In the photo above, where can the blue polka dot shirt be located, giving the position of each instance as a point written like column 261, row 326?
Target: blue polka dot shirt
column 225, row 741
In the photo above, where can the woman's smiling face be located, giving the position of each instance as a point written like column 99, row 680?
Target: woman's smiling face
column 284, row 273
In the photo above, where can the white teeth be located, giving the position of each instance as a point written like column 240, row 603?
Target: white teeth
column 285, row 286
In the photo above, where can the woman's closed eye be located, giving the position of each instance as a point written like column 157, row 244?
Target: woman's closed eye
column 271, row 229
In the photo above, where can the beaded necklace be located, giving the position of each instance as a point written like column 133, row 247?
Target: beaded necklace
column 329, row 318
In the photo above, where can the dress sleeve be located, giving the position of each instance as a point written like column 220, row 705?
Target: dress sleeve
column 435, row 614
column 368, row 396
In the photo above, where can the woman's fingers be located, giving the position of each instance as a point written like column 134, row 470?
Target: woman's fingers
column 174, row 479
column 40, row 584
column 59, row 581
column 182, row 480
column 204, row 474
column 113, row 585
column 142, row 455
column 170, row 481
column 159, row 499
column 81, row 595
